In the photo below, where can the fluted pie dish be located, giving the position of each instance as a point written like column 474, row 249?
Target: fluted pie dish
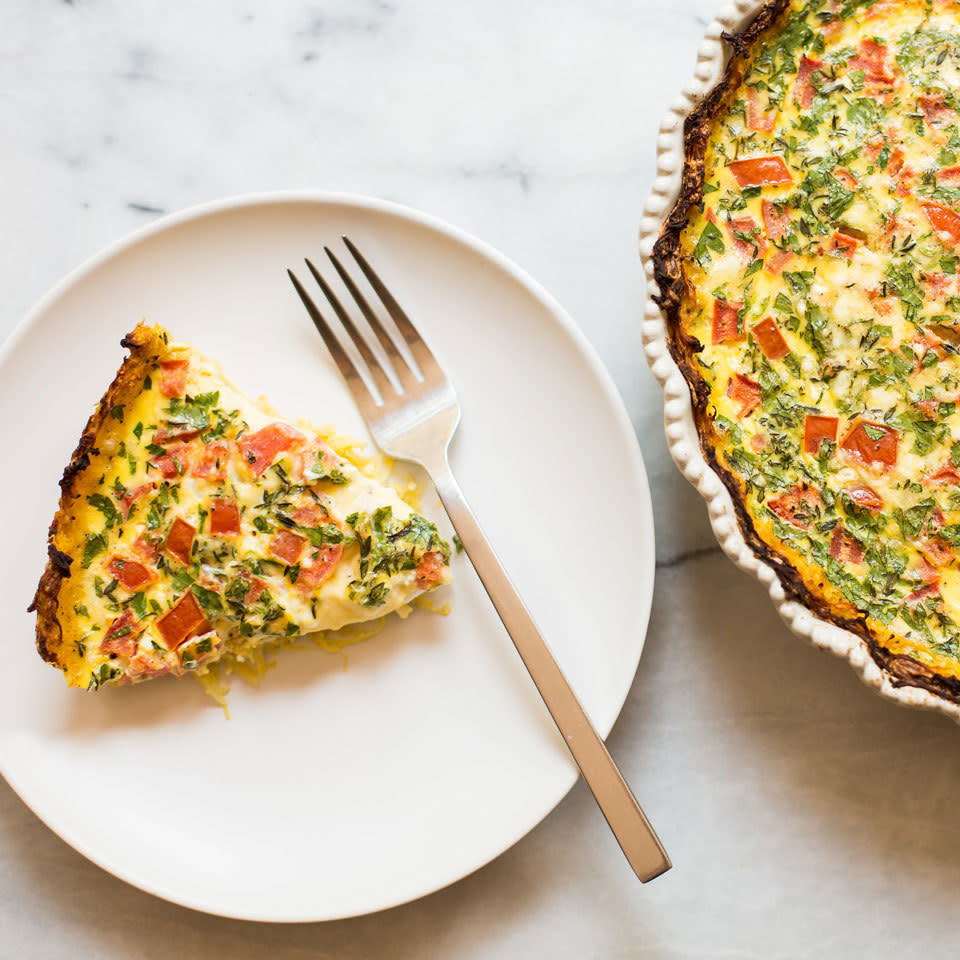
column 802, row 244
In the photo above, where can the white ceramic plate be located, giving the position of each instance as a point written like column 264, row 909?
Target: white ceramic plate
column 331, row 791
column 682, row 438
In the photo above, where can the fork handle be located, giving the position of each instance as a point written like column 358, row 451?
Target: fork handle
column 636, row 837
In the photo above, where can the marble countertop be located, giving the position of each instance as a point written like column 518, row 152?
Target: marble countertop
column 805, row 816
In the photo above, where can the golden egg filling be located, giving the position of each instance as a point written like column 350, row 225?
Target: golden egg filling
column 809, row 278
column 195, row 525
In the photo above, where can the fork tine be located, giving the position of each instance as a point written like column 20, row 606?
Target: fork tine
column 421, row 352
column 373, row 364
column 400, row 365
column 361, row 393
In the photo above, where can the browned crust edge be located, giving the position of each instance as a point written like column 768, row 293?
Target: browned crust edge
column 668, row 271
column 145, row 348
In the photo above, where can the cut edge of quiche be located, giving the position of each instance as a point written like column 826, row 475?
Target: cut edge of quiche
column 905, row 660
column 196, row 525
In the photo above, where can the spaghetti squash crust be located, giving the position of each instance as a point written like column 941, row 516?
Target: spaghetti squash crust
column 147, row 347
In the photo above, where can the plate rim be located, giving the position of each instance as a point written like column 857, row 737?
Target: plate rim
column 612, row 396
column 683, row 439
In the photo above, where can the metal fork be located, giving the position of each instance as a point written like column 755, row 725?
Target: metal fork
column 416, row 422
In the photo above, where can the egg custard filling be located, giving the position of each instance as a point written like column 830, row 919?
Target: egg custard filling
column 194, row 525
column 809, row 276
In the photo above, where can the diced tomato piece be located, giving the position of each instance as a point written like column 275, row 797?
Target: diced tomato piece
column 126, row 619
column 948, row 473
column 842, row 244
column 925, row 572
column 167, row 465
column 147, row 666
column 845, row 177
column 930, row 340
column 121, row 636
column 174, row 463
column 746, row 392
column 896, row 161
column 759, row 117
column 726, row 321
column 950, row 176
column 866, row 497
column 173, row 377
column 799, row 506
column 892, row 226
column 905, row 180
column 180, row 540
column 803, row 89
column 930, row 590
column 260, row 449
column 224, row 517
column 130, row 574
column 255, row 587
column 935, row 110
column 322, row 562
column 776, row 222
column 182, row 622
column 174, row 434
column 768, row 336
column 430, row 568
column 213, row 461
column 746, row 227
column 872, row 148
column 882, row 302
column 872, row 60
column 778, row 261
column 936, row 283
column 831, row 28
column 878, row 450
column 945, row 221
column 147, row 548
column 287, row 546
column 928, row 406
column 936, row 550
column 123, row 645
column 845, row 548
column 313, row 515
column 132, row 496
column 758, row 441
column 816, row 429
column 758, row 171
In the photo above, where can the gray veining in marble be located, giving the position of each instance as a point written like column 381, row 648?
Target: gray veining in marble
column 805, row 816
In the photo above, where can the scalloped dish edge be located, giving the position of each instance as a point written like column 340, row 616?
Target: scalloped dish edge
column 683, row 440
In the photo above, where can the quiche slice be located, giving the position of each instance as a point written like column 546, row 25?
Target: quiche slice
column 195, row 525
column 809, row 275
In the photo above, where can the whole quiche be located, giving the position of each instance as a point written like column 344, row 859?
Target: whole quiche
column 809, row 278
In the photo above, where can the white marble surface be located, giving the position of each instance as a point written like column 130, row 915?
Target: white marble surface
column 806, row 817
